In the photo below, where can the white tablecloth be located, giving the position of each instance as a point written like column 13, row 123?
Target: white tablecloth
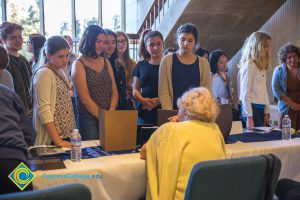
column 124, row 176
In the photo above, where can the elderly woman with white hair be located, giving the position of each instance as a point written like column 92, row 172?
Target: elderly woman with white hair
column 174, row 148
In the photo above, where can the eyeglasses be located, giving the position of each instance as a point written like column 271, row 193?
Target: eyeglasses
column 121, row 41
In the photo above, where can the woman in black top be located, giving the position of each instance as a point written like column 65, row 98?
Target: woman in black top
column 145, row 76
column 111, row 53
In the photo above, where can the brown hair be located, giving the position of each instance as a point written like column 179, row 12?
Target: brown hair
column 129, row 64
column 142, row 45
column 285, row 50
column 7, row 28
column 3, row 58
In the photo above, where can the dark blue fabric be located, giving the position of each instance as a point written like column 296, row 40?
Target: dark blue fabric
column 120, row 79
column 256, row 137
column 258, row 115
column 93, row 152
column 184, row 77
column 148, row 75
column 88, row 126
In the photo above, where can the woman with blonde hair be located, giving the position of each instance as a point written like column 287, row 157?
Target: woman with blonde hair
column 254, row 64
column 174, row 148
column 124, row 58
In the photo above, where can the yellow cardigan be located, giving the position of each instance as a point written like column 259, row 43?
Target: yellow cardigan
column 173, row 150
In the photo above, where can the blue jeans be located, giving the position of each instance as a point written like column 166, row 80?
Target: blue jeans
column 88, row 126
column 258, row 115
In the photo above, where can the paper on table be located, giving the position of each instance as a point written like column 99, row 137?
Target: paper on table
column 263, row 129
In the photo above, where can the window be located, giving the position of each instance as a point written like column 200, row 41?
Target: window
column 58, row 20
column 27, row 14
column 0, row 13
column 86, row 14
column 111, row 14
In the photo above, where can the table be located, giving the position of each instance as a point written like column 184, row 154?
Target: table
column 124, row 176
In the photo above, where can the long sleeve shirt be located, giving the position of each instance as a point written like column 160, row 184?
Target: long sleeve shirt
column 6, row 79
column 253, row 88
column 279, row 87
column 173, row 150
column 219, row 88
column 16, row 131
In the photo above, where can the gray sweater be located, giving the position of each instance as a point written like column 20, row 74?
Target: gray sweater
column 16, row 131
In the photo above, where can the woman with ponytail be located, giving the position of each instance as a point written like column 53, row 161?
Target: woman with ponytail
column 145, row 76
column 53, row 116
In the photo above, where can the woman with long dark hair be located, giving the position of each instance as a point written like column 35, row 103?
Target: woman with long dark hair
column 34, row 45
column 94, row 81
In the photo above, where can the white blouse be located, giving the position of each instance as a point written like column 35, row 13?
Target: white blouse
column 253, row 88
column 219, row 88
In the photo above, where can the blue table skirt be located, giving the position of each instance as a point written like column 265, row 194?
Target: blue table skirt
column 256, row 137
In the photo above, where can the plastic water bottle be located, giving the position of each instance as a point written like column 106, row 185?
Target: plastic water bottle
column 76, row 146
column 286, row 128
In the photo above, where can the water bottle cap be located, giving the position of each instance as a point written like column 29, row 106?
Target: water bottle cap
column 286, row 115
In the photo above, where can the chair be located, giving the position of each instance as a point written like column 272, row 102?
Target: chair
column 224, row 119
column 288, row 189
column 65, row 192
column 247, row 178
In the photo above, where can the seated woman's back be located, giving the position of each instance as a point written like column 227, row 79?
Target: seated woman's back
column 175, row 148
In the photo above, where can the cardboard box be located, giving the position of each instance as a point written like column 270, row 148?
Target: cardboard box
column 117, row 129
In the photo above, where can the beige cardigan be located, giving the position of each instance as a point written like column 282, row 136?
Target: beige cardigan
column 165, row 87
column 44, row 97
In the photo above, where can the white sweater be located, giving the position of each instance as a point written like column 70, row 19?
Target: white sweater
column 253, row 88
column 44, row 98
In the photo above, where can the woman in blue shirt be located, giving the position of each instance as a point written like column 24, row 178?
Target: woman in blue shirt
column 145, row 76
column 286, row 83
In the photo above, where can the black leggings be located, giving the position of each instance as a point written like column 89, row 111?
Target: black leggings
column 6, row 185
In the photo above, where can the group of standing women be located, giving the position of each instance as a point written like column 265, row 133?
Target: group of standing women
column 105, row 77
column 99, row 75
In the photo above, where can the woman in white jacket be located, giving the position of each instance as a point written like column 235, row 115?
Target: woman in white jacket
column 254, row 64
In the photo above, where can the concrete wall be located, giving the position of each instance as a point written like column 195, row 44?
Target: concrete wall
column 169, row 17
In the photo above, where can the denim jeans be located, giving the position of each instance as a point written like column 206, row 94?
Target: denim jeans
column 258, row 115
column 88, row 126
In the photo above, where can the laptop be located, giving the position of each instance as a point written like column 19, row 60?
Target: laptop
column 163, row 115
column 224, row 119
